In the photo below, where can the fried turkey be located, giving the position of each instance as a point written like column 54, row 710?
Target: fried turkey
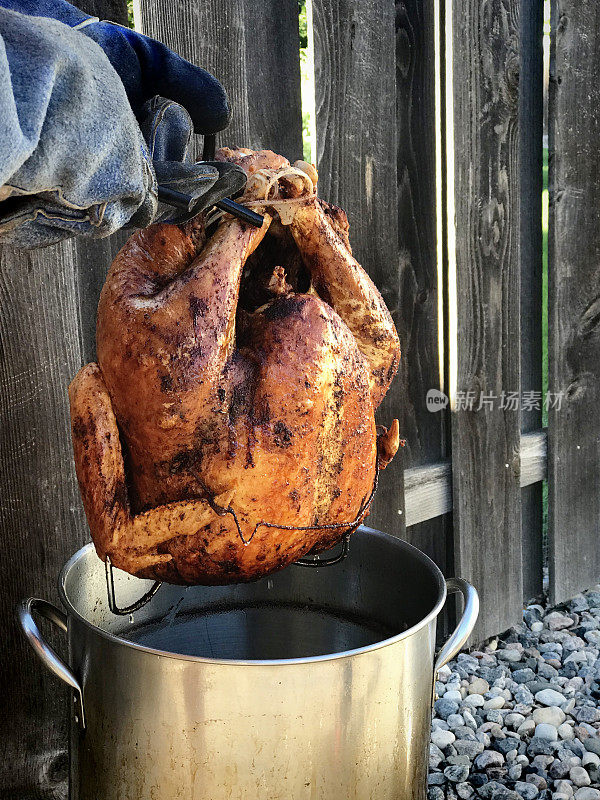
column 238, row 373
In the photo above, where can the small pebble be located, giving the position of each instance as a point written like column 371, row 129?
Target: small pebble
column 457, row 773
column 523, row 696
column 527, row 790
column 588, row 759
column 564, row 787
column 593, row 745
column 475, row 700
column 443, row 707
column 435, row 793
column 579, row 776
column 587, row 714
column 514, row 720
column 469, row 719
column 442, row 738
column 455, row 721
column 548, row 697
column 494, row 703
column 464, row 790
column 556, row 621
column 537, row 780
column 478, row 686
column 587, row 793
column 523, row 675
column 539, row 747
column 436, row 778
column 526, row 728
column 568, row 706
column 536, row 627
column 489, row 758
column 565, row 731
column 468, row 748
column 546, row 731
column 493, row 715
column 509, row 655
column 553, row 715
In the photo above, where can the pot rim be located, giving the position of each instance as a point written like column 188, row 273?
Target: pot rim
column 72, row 611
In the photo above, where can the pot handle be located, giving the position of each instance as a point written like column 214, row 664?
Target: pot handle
column 465, row 625
column 25, row 612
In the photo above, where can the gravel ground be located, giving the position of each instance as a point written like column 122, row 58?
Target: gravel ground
column 521, row 717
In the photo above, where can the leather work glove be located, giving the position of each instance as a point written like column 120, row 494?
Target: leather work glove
column 85, row 137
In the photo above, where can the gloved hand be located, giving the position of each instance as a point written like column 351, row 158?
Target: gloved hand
column 86, row 169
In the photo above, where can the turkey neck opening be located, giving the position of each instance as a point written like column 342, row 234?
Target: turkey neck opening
column 275, row 268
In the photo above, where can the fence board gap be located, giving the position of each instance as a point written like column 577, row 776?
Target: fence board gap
column 531, row 129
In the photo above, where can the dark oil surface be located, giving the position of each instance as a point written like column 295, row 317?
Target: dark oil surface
column 257, row 632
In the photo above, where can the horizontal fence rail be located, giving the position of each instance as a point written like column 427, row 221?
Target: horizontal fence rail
column 428, row 489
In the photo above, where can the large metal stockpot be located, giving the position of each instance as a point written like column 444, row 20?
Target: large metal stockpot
column 312, row 684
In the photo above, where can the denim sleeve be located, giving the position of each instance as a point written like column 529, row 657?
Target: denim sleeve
column 72, row 157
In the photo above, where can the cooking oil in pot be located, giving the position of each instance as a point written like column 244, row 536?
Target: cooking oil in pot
column 261, row 631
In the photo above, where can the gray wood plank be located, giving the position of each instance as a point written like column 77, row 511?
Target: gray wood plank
column 273, row 76
column 427, row 492
column 485, row 443
column 253, row 49
column 42, row 522
column 114, row 10
column 574, row 300
column 425, row 432
column 531, row 128
column 92, row 260
column 355, row 82
column 47, row 330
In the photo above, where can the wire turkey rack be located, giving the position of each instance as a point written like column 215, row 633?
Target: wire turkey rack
column 311, row 562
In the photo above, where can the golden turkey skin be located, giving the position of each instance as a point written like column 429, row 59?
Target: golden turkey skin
column 238, row 375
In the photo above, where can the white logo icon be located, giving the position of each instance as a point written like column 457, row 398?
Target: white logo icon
column 436, row 400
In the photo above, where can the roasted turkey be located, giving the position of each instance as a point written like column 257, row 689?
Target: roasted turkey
column 228, row 427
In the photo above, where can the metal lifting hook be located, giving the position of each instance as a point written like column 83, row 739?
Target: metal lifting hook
column 184, row 201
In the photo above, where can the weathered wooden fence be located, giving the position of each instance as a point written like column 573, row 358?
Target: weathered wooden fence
column 429, row 133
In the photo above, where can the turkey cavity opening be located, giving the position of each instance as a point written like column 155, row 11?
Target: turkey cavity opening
column 275, row 268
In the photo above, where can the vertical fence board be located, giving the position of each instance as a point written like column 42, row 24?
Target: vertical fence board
column 41, row 523
column 253, row 49
column 419, row 326
column 93, row 257
column 574, row 300
column 114, row 10
column 355, row 84
column 485, row 443
column 47, row 329
column 92, row 260
column 531, row 128
column 273, row 75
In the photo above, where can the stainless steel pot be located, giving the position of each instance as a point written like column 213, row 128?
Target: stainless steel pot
column 312, row 684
